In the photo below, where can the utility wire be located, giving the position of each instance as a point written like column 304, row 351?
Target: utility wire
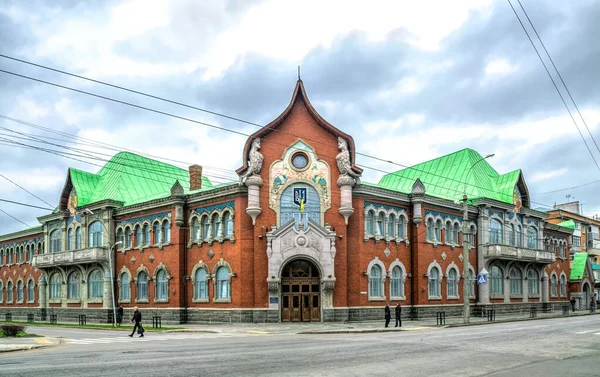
column 24, row 189
column 9, row 215
column 26, row 205
column 554, row 83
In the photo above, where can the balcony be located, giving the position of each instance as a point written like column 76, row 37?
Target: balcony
column 517, row 253
column 90, row 255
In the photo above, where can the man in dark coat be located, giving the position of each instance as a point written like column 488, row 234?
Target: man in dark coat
column 137, row 317
column 572, row 303
column 388, row 315
column 120, row 315
column 398, row 315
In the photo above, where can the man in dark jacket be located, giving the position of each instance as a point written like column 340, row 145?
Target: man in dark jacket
column 388, row 315
column 398, row 315
column 137, row 317
column 120, row 315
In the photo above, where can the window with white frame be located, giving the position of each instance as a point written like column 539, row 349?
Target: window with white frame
column 166, row 231
column 391, row 225
column 519, row 236
column 96, row 234
column 452, row 283
column 128, row 238
column 73, row 284
column 434, row 282
column 369, row 222
column 228, row 221
column 495, row 232
column 205, row 228
column 1, row 293
column 532, row 238
column 553, row 286
column 562, row 250
column 20, row 291
column 30, row 290
column 430, row 230
column 472, row 281
column 55, row 284
column 455, row 230
column 563, row 286
column 379, row 229
column 438, row 230
column 9, row 292
column 157, row 235
column 401, row 224
column 533, row 282
column 70, row 239
column 216, row 226
column 142, row 286
column 78, row 238
column 397, row 283
column 511, row 235
column 201, row 289
column 125, row 287
column 139, row 236
column 448, row 234
column 496, row 281
column 21, row 255
column 121, row 238
column 375, row 278
column 146, row 231
column 56, row 241
column 516, row 281
column 28, row 253
column 95, row 284
column 161, row 285
column 195, row 229
column 223, row 283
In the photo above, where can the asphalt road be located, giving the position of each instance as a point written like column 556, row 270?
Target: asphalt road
column 556, row 347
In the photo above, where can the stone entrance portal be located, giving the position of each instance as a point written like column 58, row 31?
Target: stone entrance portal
column 300, row 292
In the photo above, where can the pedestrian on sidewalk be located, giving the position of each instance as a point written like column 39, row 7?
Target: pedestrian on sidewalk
column 573, row 304
column 388, row 315
column 593, row 304
column 120, row 315
column 137, row 317
column 398, row 315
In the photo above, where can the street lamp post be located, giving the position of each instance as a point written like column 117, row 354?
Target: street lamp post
column 466, row 314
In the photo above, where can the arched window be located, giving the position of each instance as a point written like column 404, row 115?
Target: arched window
column 121, row 238
column 369, row 222
column 27, row 254
column 96, row 234
column 56, row 241
column 74, row 283
column 455, row 234
column 532, row 238
column 216, row 226
column 201, row 291
column 401, row 227
column 496, row 281
column 533, row 282
column 139, row 236
column 519, row 236
column 205, row 228
column 195, row 229
column 146, row 231
column 142, row 286
column 452, row 283
column 161, row 285
column 438, row 231
column 562, row 250
column 448, row 232
column 95, row 284
column 9, row 292
column 20, row 291
column 1, row 293
column 430, row 230
column 228, row 220
column 222, row 282
column 472, row 281
column 70, row 239
column 434, row 282
column 563, row 286
column 390, row 226
column 128, row 238
column 125, row 287
column 516, row 281
column 495, row 232
column 166, row 231
column 511, row 235
column 379, row 228
column 30, row 290
column 290, row 201
column 55, row 284
column 375, row 282
column 20, row 255
column 157, row 235
column 397, row 288
column 553, row 286
column 78, row 238
column 1, row 257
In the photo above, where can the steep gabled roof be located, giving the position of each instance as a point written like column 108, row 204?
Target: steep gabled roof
column 127, row 178
column 568, row 224
column 450, row 176
column 578, row 266
column 299, row 95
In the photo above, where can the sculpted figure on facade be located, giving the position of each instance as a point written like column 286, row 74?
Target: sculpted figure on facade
column 255, row 161
column 343, row 161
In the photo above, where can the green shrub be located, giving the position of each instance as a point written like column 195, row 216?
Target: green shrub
column 2, row 334
column 22, row 334
column 12, row 330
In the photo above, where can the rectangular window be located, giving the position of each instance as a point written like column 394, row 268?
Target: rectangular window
column 397, row 287
column 125, row 291
column 433, row 287
column 142, row 293
column 201, row 291
column 496, row 285
column 222, row 289
column 515, row 286
column 73, row 289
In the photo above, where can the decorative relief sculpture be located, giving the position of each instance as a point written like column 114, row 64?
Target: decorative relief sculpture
column 255, row 161
column 343, row 161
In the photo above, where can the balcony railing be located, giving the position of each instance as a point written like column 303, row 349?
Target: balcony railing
column 517, row 253
column 89, row 255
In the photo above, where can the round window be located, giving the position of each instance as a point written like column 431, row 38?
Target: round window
column 299, row 160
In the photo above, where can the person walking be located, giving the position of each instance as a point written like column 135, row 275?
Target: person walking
column 120, row 315
column 398, row 315
column 573, row 304
column 137, row 317
column 388, row 315
column 593, row 304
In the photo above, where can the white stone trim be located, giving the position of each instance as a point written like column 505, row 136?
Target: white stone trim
column 197, row 266
column 453, row 266
column 440, row 270
column 376, row 261
column 399, row 264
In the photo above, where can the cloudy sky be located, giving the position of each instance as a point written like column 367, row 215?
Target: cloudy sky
column 409, row 80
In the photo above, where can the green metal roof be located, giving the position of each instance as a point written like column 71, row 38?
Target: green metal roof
column 568, row 224
column 578, row 266
column 450, row 176
column 131, row 179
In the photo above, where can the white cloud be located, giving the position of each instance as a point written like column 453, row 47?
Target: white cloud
column 543, row 176
column 500, row 67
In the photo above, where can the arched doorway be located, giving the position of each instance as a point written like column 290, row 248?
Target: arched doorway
column 300, row 292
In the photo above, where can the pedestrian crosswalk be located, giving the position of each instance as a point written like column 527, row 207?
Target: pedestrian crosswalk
column 146, row 338
column 592, row 331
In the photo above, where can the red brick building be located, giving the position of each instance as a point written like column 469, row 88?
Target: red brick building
column 299, row 238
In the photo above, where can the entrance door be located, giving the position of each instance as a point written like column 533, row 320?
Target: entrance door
column 300, row 293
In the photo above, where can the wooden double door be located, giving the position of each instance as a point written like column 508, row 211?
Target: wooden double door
column 300, row 300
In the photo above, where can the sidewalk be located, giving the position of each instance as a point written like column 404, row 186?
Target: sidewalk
column 25, row 344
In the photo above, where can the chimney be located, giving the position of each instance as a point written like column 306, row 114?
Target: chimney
column 195, row 177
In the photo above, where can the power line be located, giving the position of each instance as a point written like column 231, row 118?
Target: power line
column 24, row 189
column 26, row 205
column 9, row 215
column 554, row 83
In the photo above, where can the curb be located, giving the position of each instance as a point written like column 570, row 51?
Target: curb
column 515, row 320
column 360, row 331
column 29, row 347
column 194, row 330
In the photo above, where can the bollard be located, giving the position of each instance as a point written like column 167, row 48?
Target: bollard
column 82, row 320
column 30, row 318
column 156, row 322
column 53, row 319
column 532, row 312
column 441, row 318
column 491, row 315
column 8, row 317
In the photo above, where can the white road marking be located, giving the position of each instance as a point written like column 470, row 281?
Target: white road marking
column 127, row 339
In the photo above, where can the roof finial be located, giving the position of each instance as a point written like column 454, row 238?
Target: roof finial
column 298, row 72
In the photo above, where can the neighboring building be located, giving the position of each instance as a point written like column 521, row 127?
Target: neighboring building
column 581, row 282
column 299, row 238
